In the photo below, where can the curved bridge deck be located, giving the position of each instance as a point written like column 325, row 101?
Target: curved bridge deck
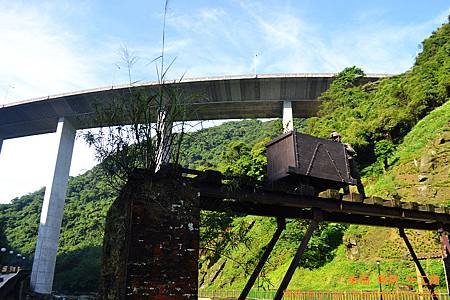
column 233, row 97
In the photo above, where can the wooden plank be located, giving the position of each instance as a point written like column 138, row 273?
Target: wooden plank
column 330, row 194
column 374, row 200
column 353, row 197
column 339, row 217
column 440, row 210
column 270, row 203
column 426, row 207
column 410, row 205
column 392, row 203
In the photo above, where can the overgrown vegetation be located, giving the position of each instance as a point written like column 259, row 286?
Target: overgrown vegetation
column 378, row 115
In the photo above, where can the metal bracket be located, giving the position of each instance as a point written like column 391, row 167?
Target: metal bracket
column 445, row 256
column 301, row 249
column 417, row 262
column 281, row 225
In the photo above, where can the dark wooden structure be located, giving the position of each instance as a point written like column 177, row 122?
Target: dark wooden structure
column 352, row 210
column 306, row 161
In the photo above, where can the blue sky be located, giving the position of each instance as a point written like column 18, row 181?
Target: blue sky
column 50, row 47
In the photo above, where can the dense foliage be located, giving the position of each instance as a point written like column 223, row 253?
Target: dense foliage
column 376, row 116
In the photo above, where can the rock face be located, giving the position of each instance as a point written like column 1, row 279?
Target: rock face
column 151, row 240
column 351, row 247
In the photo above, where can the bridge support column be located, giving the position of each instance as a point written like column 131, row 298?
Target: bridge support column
column 281, row 225
column 417, row 262
column 288, row 119
column 445, row 257
column 52, row 212
column 301, row 249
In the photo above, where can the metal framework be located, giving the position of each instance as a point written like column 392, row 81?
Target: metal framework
column 375, row 212
column 417, row 262
column 281, row 225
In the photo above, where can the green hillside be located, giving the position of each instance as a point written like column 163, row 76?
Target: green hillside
column 375, row 117
column 357, row 248
column 400, row 128
column 422, row 163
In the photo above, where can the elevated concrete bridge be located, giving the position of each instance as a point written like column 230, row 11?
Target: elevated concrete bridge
column 235, row 97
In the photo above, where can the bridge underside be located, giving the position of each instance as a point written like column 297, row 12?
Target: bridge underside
column 208, row 99
column 195, row 111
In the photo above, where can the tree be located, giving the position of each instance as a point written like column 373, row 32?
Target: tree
column 154, row 123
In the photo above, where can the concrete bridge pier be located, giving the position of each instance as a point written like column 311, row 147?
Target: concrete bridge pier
column 52, row 211
column 288, row 119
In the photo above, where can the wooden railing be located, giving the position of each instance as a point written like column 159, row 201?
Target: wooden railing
column 315, row 295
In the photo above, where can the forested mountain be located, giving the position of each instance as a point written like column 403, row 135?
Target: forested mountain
column 400, row 127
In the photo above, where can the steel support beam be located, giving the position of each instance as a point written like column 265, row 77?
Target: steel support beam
column 52, row 211
column 288, row 117
column 445, row 244
column 301, row 249
column 417, row 262
column 1, row 143
column 281, row 225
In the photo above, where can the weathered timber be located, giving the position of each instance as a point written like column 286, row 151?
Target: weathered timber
column 374, row 200
column 392, row 203
column 353, row 197
column 440, row 209
column 410, row 205
column 280, row 204
column 427, row 207
column 330, row 194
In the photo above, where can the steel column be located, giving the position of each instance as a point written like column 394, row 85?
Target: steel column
column 281, row 225
column 445, row 257
column 1, row 143
column 417, row 262
column 301, row 249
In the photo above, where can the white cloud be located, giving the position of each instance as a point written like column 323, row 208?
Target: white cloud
column 37, row 56
column 291, row 44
